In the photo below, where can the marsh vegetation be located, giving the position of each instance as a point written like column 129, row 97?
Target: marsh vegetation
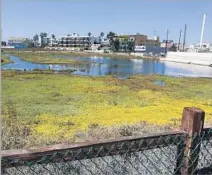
column 42, row 108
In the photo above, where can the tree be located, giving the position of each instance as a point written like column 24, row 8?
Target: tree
column 53, row 36
column 45, row 34
column 102, row 34
column 124, row 42
column 111, row 37
column 42, row 35
column 29, row 43
column 89, row 34
column 3, row 43
column 131, row 45
column 35, row 38
column 116, row 44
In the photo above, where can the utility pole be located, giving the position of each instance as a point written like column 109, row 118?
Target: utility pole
column 179, row 40
column 202, row 32
column 167, row 37
column 184, row 38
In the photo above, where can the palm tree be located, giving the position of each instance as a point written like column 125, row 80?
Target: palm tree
column 89, row 34
column 111, row 35
column 53, row 36
column 41, row 36
column 35, row 38
column 102, row 34
column 44, row 34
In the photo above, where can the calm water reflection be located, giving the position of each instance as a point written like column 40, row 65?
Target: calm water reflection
column 101, row 66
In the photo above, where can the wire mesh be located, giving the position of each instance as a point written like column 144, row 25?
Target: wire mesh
column 205, row 155
column 148, row 155
column 197, row 154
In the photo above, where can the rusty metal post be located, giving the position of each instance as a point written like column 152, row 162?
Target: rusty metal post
column 192, row 125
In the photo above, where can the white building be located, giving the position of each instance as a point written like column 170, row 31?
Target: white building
column 105, row 42
column 17, row 42
column 53, row 42
column 140, row 49
column 206, row 47
column 74, row 40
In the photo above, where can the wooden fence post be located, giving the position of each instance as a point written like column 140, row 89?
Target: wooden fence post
column 192, row 124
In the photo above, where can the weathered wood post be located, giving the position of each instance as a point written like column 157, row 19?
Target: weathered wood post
column 192, row 125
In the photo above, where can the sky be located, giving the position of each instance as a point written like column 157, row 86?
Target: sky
column 25, row 18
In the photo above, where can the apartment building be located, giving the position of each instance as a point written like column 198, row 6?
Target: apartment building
column 17, row 42
column 74, row 41
column 144, row 40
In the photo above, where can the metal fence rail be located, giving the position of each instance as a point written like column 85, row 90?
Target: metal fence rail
column 110, row 157
column 188, row 151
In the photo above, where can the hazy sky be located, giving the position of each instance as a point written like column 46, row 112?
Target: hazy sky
column 24, row 18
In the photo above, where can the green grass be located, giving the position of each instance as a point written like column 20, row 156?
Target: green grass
column 5, row 60
column 44, row 57
column 49, row 56
column 41, row 108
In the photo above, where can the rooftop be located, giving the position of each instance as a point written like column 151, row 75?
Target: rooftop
column 17, row 38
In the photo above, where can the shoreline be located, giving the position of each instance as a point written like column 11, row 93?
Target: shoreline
column 114, row 55
column 184, row 62
column 5, row 60
column 23, row 58
column 128, row 56
column 119, row 55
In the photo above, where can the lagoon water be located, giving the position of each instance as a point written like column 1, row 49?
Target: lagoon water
column 120, row 68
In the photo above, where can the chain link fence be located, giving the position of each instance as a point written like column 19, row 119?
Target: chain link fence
column 158, row 154
column 205, row 154
column 188, row 151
